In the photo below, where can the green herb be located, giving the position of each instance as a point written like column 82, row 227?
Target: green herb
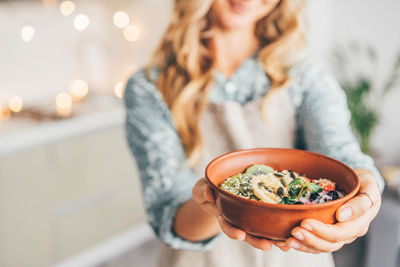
column 301, row 193
column 295, row 187
column 288, row 200
column 311, row 186
column 314, row 188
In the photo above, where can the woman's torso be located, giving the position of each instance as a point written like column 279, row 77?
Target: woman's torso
column 229, row 126
column 321, row 122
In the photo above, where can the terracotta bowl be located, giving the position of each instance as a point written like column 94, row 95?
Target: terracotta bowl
column 274, row 221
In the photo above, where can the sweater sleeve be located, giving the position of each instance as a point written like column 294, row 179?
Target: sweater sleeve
column 324, row 119
column 166, row 179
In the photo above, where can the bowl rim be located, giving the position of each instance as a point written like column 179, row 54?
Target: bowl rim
column 283, row 206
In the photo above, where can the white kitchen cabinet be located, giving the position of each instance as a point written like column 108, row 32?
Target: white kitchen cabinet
column 60, row 197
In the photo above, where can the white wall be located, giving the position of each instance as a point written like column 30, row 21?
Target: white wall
column 58, row 53
column 376, row 23
column 320, row 29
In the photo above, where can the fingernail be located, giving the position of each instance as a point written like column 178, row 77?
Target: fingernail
column 266, row 246
column 298, row 235
column 307, row 227
column 294, row 245
column 280, row 244
column 345, row 214
column 241, row 237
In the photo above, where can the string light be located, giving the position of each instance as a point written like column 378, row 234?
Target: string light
column 5, row 114
column 64, row 105
column 121, row 19
column 78, row 90
column 131, row 33
column 48, row 3
column 15, row 104
column 27, row 33
column 67, row 7
column 81, row 22
column 119, row 89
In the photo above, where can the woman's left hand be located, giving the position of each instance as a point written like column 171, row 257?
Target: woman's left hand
column 353, row 218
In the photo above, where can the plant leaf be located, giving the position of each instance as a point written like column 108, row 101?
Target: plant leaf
column 295, row 186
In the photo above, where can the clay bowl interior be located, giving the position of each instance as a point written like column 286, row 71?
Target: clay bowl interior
column 274, row 221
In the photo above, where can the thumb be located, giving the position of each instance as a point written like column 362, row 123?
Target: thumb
column 202, row 192
column 360, row 204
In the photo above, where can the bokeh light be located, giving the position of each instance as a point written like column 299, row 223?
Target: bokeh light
column 49, row 3
column 67, row 7
column 5, row 113
column 131, row 33
column 15, row 104
column 121, row 19
column 64, row 104
column 119, row 89
column 27, row 33
column 78, row 89
column 81, row 22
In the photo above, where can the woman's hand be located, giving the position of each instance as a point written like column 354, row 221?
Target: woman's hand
column 353, row 218
column 204, row 196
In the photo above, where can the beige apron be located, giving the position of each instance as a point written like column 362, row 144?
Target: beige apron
column 230, row 126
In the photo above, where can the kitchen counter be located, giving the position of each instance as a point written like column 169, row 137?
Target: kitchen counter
column 66, row 186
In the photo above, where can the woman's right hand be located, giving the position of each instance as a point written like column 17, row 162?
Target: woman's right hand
column 204, row 196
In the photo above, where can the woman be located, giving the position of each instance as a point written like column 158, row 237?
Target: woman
column 228, row 75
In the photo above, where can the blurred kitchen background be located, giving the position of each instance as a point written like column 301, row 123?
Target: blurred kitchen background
column 69, row 188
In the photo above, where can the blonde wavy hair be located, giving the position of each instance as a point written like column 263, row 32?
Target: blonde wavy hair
column 185, row 61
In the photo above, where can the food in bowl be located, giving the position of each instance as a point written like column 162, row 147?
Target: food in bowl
column 270, row 220
column 260, row 182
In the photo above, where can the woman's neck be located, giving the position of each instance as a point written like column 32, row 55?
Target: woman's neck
column 231, row 48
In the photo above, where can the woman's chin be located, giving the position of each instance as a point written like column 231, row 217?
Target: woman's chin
column 236, row 23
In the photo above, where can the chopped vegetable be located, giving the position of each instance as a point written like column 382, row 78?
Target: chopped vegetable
column 326, row 184
column 295, row 186
column 262, row 183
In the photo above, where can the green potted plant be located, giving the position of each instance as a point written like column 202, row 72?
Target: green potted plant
column 355, row 67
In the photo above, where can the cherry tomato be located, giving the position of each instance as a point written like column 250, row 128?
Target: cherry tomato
column 326, row 184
